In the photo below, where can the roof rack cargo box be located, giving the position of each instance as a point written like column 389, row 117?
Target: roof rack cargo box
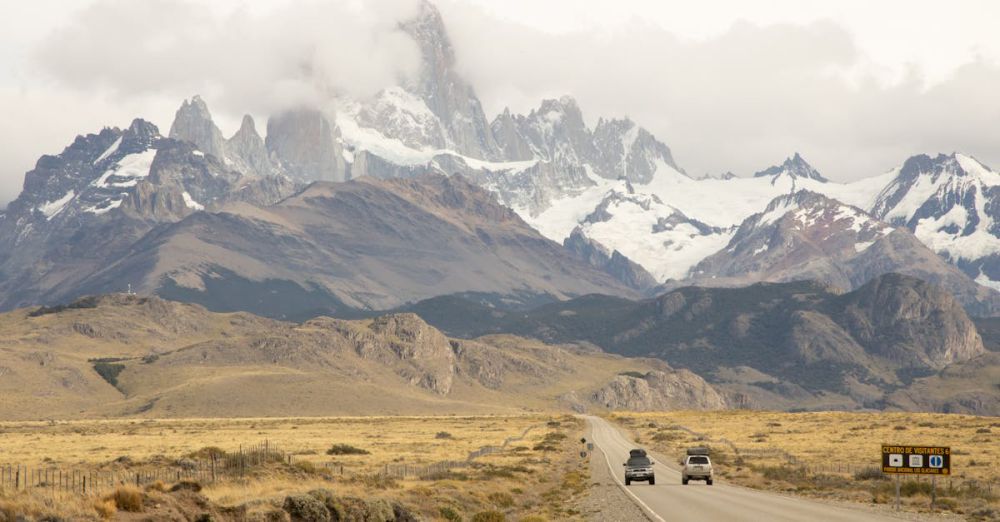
column 637, row 453
column 701, row 450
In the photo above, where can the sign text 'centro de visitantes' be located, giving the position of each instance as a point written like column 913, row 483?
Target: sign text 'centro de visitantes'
column 916, row 460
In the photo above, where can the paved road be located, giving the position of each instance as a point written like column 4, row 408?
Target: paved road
column 669, row 500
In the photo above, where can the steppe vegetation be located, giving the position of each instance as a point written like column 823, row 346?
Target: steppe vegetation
column 538, row 475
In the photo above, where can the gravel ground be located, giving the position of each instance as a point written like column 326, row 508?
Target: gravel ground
column 605, row 500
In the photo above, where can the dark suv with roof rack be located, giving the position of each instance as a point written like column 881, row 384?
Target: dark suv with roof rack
column 639, row 468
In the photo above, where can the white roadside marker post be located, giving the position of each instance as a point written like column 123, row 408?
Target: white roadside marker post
column 897, row 492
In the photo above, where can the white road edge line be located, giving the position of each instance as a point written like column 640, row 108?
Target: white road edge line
column 649, row 510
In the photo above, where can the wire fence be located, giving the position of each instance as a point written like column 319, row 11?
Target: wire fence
column 207, row 466
column 210, row 467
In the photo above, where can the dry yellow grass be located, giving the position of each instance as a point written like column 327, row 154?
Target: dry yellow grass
column 827, row 449
column 540, row 474
column 411, row 440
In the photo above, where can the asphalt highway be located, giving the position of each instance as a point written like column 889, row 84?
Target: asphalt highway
column 668, row 500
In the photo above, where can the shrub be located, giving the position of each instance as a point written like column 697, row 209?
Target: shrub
column 376, row 481
column 983, row 430
column 947, row 503
column 106, row 509
column 501, row 499
column 357, row 509
column 442, row 435
column 489, row 516
column 127, row 498
column 403, row 514
column 450, row 514
column 912, row 487
column 208, row 452
column 157, row 486
column 534, row 518
column 187, row 485
column 346, row 449
column 109, row 371
column 869, row 474
column 306, row 467
column 900, row 428
column 306, row 508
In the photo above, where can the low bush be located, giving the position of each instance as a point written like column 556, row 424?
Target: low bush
column 207, row 453
column 501, row 500
column 306, row 508
column 346, row 449
column 489, row 516
column 872, row 473
column 106, row 509
column 450, row 514
column 376, row 481
column 443, row 435
column 127, row 498
column 187, row 485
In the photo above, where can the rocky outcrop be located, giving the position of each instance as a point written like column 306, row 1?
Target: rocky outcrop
column 659, row 391
column 306, row 146
column 444, row 91
column 193, row 123
column 426, row 354
column 247, row 151
column 911, row 323
column 625, row 150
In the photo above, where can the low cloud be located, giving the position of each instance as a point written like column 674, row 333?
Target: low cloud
column 244, row 61
column 739, row 101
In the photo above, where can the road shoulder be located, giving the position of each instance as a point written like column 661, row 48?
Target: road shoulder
column 605, row 499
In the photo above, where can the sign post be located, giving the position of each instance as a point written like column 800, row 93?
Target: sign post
column 916, row 460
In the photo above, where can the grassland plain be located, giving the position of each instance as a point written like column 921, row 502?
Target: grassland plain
column 540, row 476
column 835, row 455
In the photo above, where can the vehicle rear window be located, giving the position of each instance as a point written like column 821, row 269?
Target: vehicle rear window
column 698, row 460
column 638, row 462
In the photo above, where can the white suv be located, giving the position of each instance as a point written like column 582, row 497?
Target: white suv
column 697, row 467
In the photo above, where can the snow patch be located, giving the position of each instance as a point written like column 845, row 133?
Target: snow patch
column 110, row 150
column 133, row 166
column 52, row 209
column 862, row 246
column 190, row 202
column 198, row 153
column 107, row 206
column 987, row 282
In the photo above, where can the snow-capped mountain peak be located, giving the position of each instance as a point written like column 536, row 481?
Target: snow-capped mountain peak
column 951, row 202
column 795, row 167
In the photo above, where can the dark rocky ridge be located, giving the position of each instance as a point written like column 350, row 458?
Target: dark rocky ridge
column 769, row 345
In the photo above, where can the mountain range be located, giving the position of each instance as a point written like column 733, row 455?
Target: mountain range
column 132, row 207
column 123, row 355
column 896, row 342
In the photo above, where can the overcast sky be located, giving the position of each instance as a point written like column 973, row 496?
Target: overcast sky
column 729, row 85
